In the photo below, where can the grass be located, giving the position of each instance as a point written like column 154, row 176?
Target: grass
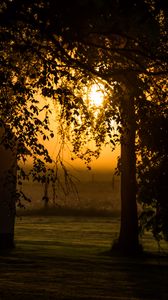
column 58, row 257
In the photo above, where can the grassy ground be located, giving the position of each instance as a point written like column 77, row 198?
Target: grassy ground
column 67, row 258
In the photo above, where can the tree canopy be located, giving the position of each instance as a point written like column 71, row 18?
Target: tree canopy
column 55, row 49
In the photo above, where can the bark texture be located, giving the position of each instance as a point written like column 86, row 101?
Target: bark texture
column 8, row 167
column 128, row 241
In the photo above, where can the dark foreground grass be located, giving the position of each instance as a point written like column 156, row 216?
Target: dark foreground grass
column 68, row 258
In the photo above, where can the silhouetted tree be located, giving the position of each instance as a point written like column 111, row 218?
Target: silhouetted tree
column 59, row 48
column 119, row 51
column 8, row 171
column 152, row 167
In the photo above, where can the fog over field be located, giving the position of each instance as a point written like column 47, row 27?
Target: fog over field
column 92, row 190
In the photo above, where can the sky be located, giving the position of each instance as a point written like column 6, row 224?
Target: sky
column 108, row 158
column 106, row 162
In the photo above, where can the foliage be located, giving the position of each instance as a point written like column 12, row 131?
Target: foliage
column 54, row 49
column 153, row 195
column 153, row 164
column 30, row 70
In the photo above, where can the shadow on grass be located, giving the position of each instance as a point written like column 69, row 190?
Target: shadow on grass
column 68, row 258
column 32, row 271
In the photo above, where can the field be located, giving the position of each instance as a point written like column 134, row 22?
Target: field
column 100, row 192
column 68, row 257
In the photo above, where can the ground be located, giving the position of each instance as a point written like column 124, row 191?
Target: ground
column 68, row 258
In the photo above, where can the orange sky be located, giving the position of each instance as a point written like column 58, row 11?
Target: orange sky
column 106, row 162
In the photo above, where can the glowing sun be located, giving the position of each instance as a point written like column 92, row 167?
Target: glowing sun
column 96, row 94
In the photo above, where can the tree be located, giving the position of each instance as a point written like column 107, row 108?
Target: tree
column 33, row 63
column 128, row 59
column 19, row 114
column 8, row 195
column 152, row 168
column 112, row 48
column 25, row 73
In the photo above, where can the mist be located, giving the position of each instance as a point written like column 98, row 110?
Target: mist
column 93, row 192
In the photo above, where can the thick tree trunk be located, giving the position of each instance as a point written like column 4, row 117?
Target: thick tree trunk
column 128, row 241
column 8, row 167
column 128, row 238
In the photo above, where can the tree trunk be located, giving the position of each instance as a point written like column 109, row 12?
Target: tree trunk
column 128, row 241
column 8, row 167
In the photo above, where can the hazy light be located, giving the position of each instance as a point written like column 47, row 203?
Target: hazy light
column 96, row 94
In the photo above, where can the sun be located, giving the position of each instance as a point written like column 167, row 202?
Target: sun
column 96, row 94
